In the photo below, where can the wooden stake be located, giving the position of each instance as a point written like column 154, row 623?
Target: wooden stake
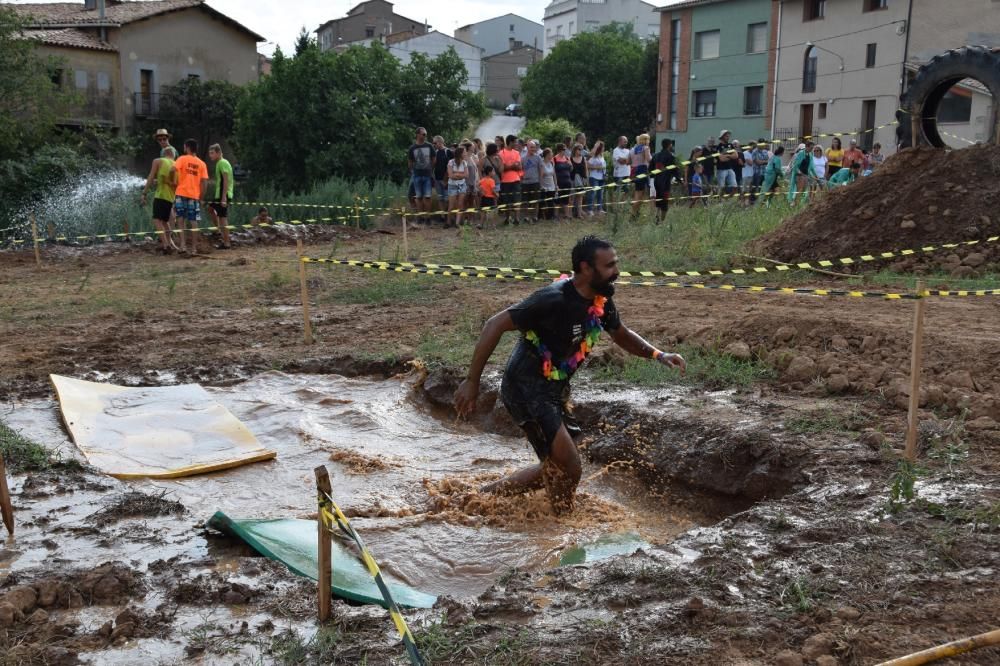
column 34, row 236
column 6, row 508
column 916, row 362
column 304, row 288
column 325, row 577
column 406, row 242
column 357, row 214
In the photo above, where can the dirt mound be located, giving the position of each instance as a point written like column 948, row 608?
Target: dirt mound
column 918, row 198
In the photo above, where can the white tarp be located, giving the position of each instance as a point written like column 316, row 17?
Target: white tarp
column 156, row 432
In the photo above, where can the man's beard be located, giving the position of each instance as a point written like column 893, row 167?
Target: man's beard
column 604, row 287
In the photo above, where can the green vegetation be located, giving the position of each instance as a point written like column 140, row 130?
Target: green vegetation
column 902, row 485
column 440, row 643
column 798, row 595
column 707, row 368
column 355, row 113
column 21, row 454
column 828, row 420
column 550, row 131
column 609, row 72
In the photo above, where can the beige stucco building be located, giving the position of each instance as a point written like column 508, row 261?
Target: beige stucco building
column 842, row 64
column 122, row 56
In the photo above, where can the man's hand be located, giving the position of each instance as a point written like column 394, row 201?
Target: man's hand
column 673, row 361
column 465, row 397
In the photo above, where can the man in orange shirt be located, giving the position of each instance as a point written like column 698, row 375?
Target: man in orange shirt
column 853, row 155
column 510, row 179
column 191, row 175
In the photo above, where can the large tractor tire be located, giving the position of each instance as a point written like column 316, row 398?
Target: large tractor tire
column 934, row 80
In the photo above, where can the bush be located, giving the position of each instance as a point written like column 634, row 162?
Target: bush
column 548, row 131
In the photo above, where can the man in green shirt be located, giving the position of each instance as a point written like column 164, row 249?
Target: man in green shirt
column 163, row 183
column 223, row 192
column 845, row 176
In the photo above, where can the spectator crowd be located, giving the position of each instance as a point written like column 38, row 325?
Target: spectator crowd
column 516, row 179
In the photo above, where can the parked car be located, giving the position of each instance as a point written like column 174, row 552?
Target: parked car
column 514, row 110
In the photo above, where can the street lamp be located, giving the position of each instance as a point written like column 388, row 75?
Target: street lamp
column 828, row 51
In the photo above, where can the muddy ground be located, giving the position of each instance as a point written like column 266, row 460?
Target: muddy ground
column 816, row 551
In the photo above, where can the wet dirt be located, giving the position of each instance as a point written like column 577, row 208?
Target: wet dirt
column 916, row 199
column 789, row 548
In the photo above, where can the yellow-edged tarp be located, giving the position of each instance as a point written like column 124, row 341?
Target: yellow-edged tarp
column 158, row 432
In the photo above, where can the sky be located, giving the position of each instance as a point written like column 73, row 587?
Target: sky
column 279, row 21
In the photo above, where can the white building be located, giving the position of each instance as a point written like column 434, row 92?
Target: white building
column 502, row 33
column 403, row 45
column 566, row 18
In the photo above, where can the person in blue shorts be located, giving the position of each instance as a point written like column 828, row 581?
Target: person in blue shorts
column 421, row 159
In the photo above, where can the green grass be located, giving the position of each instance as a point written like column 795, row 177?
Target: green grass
column 707, row 368
column 828, row 420
column 474, row 643
column 21, row 454
column 386, row 289
column 937, row 280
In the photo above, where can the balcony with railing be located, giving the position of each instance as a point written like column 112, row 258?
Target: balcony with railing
column 92, row 108
column 146, row 105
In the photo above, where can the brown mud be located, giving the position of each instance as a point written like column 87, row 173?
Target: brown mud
column 775, row 537
column 920, row 197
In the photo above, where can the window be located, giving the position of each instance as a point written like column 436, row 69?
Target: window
column 512, row 27
column 955, row 106
column 369, row 32
column 56, row 75
column 875, row 5
column 815, row 9
column 870, row 55
column 570, row 30
column 522, row 71
column 867, row 124
column 80, row 76
column 821, row 112
column 706, row 45
column 809, row 70
column 103, row 82
column 756, row 38
column 704, row 103
column 753, row 98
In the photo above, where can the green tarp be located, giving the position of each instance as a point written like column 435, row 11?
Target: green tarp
column 609, row 545
column 293, row 543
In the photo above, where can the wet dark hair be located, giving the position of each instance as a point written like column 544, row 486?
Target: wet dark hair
column 511, row 139
column 191, row 144
column 780, row 150
column 491, row 148
column 586, row 249
column 487, row 170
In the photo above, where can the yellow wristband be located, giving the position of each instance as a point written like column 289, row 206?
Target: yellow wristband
column 656, row 354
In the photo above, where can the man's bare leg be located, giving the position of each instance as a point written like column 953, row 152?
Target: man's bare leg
column 559, row 475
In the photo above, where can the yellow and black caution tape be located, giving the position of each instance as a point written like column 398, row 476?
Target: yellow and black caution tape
column 484, row 273
column 336, row 516
column 756, row 270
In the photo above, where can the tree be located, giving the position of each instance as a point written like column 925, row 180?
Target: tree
column 549, row 131
column 31, row 100
column 202, row 110
column 603, row 82
column 350, row 114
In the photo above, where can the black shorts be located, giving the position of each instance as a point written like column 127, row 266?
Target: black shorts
column 162, row 209
column 487, row 202
column 530, row 193
column 220, row 209
column 662, row 200
column 540, row 410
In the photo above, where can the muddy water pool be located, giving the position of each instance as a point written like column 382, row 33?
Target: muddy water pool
column 408, row 474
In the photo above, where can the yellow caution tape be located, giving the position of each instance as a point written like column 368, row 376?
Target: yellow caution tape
column 337, row 517
column 546, row 276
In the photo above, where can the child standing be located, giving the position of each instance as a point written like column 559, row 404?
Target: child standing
column 697, row 185
column 488, row 195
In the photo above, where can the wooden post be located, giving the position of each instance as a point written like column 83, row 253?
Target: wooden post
column 357, row 214
column 52, row 230
column 406, row 242
column 916, row 362
column 5, row 506
column 914, row 127
column 325, row 577
column 304, row 288
column 34, row 236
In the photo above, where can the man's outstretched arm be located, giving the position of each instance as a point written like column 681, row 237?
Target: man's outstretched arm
column 633, row 343
column 468, row 391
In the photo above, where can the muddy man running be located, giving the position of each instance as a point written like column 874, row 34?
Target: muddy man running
column 559, row 325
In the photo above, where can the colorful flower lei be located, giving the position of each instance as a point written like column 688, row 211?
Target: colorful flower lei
column 591, row 334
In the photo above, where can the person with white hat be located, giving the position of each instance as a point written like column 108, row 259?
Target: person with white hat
column 162, row 137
